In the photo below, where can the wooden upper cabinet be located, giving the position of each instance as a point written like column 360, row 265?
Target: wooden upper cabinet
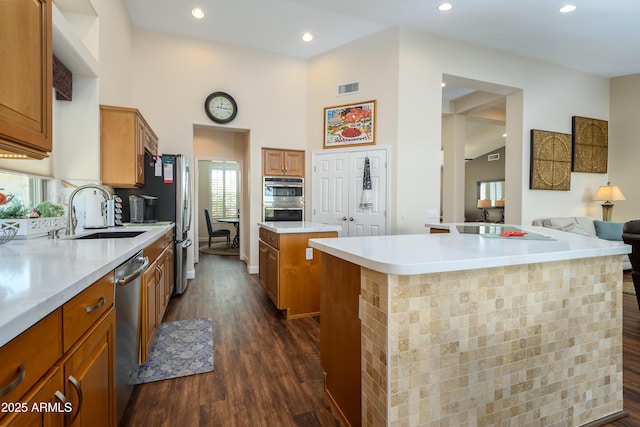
column 124, row 137
column 276, row 162
column 26, row 77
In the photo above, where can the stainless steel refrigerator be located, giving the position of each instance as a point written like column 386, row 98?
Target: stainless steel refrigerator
column 168, row 178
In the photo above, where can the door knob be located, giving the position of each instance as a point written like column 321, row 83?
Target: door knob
column 344, row 218
column 351, row 218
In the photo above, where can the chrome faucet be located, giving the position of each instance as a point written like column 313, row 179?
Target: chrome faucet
column 72, row 220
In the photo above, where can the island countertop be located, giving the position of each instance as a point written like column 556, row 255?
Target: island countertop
column 287, row 227
column 39, row 275
column 431, row 253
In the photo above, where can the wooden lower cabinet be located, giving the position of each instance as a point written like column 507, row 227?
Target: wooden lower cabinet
column 157, row 287
column 64, row 385
column 89, row 373
column 149, row 310
column 48, row 397
column 291, row 280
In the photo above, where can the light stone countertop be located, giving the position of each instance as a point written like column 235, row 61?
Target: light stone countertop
column 286, row 227
column 432, row 253
column 39, row 275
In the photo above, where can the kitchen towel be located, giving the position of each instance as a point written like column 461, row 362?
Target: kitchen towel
column 366, row 201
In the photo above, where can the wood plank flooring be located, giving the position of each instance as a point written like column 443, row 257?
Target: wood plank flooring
column 267, row 370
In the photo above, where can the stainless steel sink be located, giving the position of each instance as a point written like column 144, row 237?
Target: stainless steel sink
column 110, row 235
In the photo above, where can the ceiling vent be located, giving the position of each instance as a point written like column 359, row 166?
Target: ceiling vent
column 348, row 88
column 493, row 157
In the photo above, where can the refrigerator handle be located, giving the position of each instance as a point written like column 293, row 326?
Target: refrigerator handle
column 188, row 201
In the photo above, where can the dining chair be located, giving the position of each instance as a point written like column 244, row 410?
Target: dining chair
column 218, row 232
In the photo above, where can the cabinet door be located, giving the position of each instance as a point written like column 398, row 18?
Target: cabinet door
column 122, row 136
column 161, row 286
column 263, row 264
column 294, row 163
column 25, row 86
column 50, row 404
column 273, row 276
column 141, row 136
column 89, row 376
column 149, row 310
column 272, row 162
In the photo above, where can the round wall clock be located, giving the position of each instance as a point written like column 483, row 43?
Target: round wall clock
column 220, row 107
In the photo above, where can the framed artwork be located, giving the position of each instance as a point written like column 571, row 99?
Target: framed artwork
column 350, row 124
column 550, row 160
column 590, row 144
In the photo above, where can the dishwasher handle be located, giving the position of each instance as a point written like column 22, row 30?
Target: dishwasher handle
column 123, row 281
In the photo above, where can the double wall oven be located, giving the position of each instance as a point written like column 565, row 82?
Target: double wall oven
column 283, row 198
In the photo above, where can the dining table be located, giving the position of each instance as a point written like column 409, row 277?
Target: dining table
column 236, row 224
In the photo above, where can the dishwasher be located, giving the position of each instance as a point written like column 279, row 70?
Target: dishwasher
column 128, row 290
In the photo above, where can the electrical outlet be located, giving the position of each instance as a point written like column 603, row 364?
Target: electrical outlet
column 309, row 253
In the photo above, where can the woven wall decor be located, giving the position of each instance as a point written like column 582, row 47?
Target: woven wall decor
column 590, row 144
column 550, row 160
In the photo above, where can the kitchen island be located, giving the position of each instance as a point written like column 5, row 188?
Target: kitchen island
column 473, row 329
column 289, row 268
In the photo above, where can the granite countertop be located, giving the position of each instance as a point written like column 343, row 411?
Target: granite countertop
column 433, row 253
column 285, row 227
column 39, row 275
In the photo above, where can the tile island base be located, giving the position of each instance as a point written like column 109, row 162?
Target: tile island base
column 534, row 344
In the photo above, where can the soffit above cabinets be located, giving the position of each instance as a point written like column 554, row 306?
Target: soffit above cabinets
column 69, row 48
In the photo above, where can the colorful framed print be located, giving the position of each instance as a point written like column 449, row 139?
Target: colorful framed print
column 350, row 124
column 550, row 161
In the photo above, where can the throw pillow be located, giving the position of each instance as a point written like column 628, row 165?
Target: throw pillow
column 608, row 230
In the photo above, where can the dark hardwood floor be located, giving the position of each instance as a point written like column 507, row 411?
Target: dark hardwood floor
column 267, row 370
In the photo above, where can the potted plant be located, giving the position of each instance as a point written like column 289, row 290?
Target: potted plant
column 45, row 217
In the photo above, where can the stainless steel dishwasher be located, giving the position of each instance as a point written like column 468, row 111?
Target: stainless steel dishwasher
column 128, row 290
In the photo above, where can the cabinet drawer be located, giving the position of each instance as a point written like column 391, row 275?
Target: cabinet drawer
column 154, row 250
column 85, row 308
column 28, row 356
column 269, row 237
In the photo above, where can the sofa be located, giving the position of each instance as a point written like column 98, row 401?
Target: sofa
column 587, row 226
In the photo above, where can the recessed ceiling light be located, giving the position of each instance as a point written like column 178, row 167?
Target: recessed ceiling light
column 444, row 7
column 197, row 13
column 307, row 37
column 443, row 84
column 566, row 9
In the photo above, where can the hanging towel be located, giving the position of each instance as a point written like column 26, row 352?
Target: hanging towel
column 367, row 194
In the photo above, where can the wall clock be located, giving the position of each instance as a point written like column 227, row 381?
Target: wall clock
column 221, row 107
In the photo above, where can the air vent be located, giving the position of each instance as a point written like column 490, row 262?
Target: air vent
column 493, row 157
column 348, row 88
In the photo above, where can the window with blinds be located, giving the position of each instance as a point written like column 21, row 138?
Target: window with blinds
column 224, row 190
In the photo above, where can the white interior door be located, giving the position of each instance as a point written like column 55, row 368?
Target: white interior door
column 368, row 221
column 337, row 191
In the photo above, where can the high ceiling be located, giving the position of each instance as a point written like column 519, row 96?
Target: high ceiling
column 600, row 37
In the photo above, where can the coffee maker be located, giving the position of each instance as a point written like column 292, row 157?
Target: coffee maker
column 142, row 208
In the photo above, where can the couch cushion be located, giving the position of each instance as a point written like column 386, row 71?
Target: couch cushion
column 573, row 224
column 608, row 230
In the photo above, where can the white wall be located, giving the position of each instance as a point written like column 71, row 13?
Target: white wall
column 624, row 145
column 173, row 75
column 412, row 123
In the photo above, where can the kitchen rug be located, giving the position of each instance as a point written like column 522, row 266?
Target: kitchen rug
column 181, row 348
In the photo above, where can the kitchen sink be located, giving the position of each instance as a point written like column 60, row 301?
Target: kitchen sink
column 110, row 235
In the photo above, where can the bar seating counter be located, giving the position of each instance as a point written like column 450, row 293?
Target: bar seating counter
column 473, row 329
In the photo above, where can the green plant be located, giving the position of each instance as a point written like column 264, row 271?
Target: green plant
column 13, row 209
column 47, row 209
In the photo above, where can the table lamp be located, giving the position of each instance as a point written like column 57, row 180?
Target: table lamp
column 607, row 194
column 484, row 204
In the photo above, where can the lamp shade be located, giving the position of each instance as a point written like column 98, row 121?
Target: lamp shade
column 483, row 204
column 608, row 193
